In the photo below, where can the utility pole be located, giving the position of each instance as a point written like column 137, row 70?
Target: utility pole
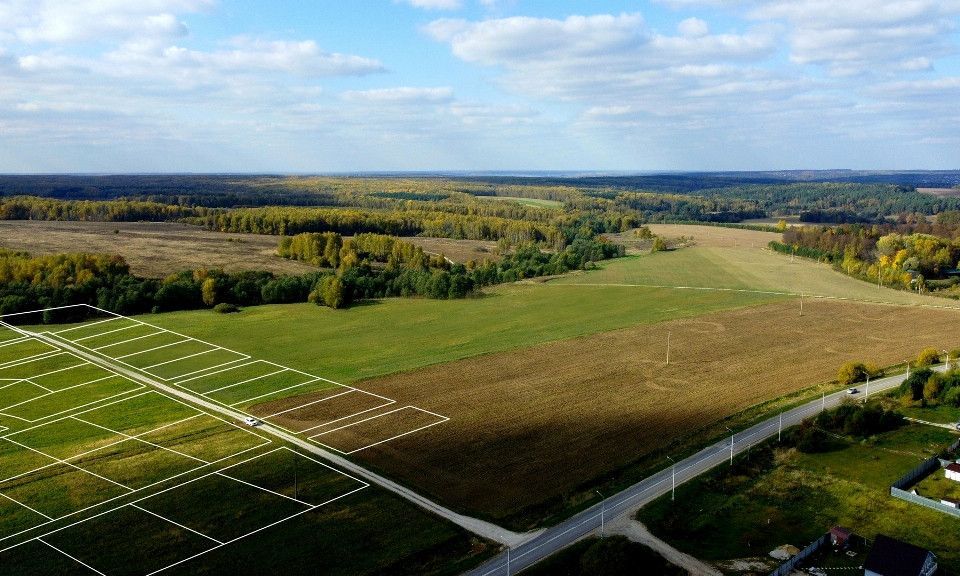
column 732, row 434
column 673, row 483
column 508, row 560
column 603, row 502
column 801, row 304
column 296, row 478
column 823, row 405
column 867, row 397
column 669, row 334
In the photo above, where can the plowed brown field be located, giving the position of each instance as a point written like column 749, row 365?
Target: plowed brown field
column 528, row 426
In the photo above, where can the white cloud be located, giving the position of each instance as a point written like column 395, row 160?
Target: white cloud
column 400, row 95
column 60, row 21
column 693, row 28
column 434, row 4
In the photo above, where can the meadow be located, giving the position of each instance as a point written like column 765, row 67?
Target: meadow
column 728, row 515
column 730, row 258
column 127, row 480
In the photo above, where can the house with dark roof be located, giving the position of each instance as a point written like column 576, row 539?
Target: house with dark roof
column 891, row 557
column 840, row 536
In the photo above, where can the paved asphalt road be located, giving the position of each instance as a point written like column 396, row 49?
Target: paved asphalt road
column 628, row 501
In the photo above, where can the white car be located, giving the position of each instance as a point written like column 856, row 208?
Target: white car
column 249, row 421
column 853, row 391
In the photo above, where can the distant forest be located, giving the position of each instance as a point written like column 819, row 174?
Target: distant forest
column 332, row 222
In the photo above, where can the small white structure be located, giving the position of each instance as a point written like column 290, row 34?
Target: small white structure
column 953, row 472
column 950, row 502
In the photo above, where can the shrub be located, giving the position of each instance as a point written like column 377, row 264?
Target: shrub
column 852, row 372
column 226, row 308
column 928, row 357
column 915, row 384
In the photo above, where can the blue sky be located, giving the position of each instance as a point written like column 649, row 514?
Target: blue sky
column 372, row 85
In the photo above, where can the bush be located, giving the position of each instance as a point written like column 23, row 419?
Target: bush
column 226, row 308
column 952, row 397
column 915, row 384
column 852, row 372
column 928, row 357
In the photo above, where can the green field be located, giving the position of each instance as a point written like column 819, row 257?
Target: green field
column 395, row 335
column 749, row 511
column 98, row 470
column 743, row 269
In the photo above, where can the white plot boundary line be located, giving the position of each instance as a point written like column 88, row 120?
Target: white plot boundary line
column 441, row 420
column 21, row 504
column 247, row 381
column 138, row 387
column 28, row 359
column 105, row 333
column 218, row 372
column 50, row 393
column 169, row 521
column 285, row 389
column 98, row 348
column 265, row 442
column 85, row 565
column 244, row 357
column 308, row 507
column 335, row 420
column 139, row 352
column 86, row 325
column 13, row 341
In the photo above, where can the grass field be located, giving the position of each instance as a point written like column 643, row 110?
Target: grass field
column 132, row 481
column 153, row 249
column 394, row 335
column 723, row 516
column 731, row 258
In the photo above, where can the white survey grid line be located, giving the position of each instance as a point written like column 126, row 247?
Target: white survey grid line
column 82, row 412
column 442, row 419
column 169, row 521
column 104, row 347
column 21, row 504
column 127, row 437
column 52, row 392
column 219, row 371
column 85, row 565
column 139, row 352
column 83, row 363
column 89, row 325
column 61, row 461
column 105, row 333
column 118, row 395
column 151, row 367
column 107, row 501
column 243, row 382
column 283, row 390
column 14, row 341
column 243, row 358
column 341, row 419
column 29, row 359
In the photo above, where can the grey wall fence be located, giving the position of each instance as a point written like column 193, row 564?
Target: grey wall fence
column 899, row 488
column 927, row 502
column 788, row 566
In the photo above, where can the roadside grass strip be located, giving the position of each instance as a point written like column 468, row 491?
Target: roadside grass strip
column 378, row 429
column 128, row 541
column 95, row 328
column 259, row 387
column 229, row 376
column 42, row 367
column 55, row 403
column 38, row 559
column 196, row 363
column 327, row 410
column 20, row 350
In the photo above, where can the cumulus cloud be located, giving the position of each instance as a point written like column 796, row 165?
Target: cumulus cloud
column 434, row 4
column 400, row 95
